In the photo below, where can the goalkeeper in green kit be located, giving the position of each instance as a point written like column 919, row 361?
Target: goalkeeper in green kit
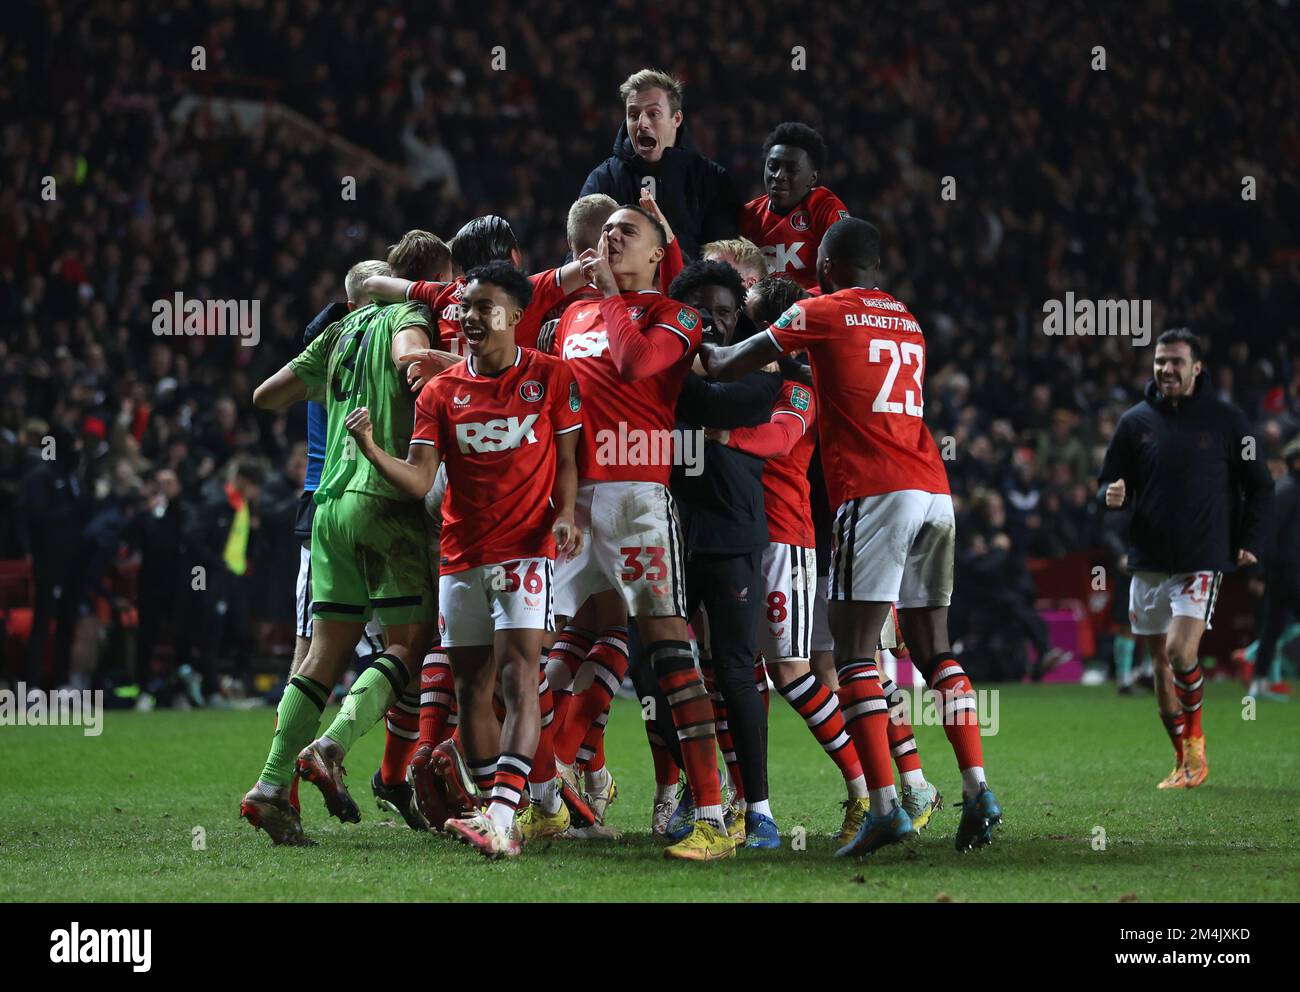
column 372, row 551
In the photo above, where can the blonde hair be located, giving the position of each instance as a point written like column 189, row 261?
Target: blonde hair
column 419, row 255
column 653, row 79
column 586, row 218
column 740, row 252
column 359, row 273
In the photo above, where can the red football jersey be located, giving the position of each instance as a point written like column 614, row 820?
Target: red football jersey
column 628, row 424
column 785, row 479
column 443, row 298
column 790, row 241
column 496, row 434
column 868, row 365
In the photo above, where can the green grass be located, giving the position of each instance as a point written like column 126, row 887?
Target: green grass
column 110, row 818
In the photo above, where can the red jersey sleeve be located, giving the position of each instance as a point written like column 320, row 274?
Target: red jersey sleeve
column 673, row 335
column 425, row 292
column 566, row 403
column 547, row 291
column 672, row 264
column 793, row 416
column 801, row 325
column 427, row 422
column 828, row 209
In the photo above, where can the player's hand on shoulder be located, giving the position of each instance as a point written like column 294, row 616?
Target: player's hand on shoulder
column 423, row 365
column 546, row 336
column 1116, row 494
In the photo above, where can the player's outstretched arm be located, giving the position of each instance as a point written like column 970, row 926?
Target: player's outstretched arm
column 564, row 493
column 280, row 391
column 386, row 289
column 733, row 361
column 413, row 477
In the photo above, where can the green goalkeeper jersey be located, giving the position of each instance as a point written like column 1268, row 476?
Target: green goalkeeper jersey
column 348, row 366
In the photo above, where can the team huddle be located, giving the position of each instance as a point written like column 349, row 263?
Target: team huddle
column 488, row 493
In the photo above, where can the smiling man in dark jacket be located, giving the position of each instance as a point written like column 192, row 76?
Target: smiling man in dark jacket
column 654, row 148
column 1201, row 502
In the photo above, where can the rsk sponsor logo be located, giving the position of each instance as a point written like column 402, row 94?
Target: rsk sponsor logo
column 499, row 434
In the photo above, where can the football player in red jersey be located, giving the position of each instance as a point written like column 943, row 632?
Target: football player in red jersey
column 482, row 240
column 894, row 528
column 787, row 443
column 630, row 351
column 790, row 220
column 506, row 421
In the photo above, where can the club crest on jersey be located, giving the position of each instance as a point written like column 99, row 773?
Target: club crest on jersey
column 799, row 398
column 575, row 400
column 799, row 220
column 460, row 402
column 532, row 390
column 636, row 313
column 687, row 318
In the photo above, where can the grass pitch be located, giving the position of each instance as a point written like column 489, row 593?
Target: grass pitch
column 115, row 818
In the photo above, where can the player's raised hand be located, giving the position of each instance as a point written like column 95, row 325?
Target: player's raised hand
column 595, row 267
column 650, row 206
column 424, row 365
column 1115, row 494
column 359, row 426
column 568, row 537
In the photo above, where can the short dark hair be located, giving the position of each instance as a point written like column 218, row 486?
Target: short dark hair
column 853, row 240
column 774, row 295
column 1182, row 335
column 797, row 135
column 697, row 275
column 484, row 239
column 654, row 221
column 507, row 277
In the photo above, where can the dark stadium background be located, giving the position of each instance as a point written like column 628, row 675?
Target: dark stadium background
column 1117, row 183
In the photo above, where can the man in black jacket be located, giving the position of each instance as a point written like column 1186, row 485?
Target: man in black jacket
column 654, row 148
column 724, row 531
column 54, row 506
column 1201, row 501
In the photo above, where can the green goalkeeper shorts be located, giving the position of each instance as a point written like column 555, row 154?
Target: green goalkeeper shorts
column 370, row 554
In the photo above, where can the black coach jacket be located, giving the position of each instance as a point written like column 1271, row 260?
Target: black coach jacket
column 1198, row 489
column 696, row 194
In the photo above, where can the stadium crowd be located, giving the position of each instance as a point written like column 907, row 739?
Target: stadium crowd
column 1173, row 174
